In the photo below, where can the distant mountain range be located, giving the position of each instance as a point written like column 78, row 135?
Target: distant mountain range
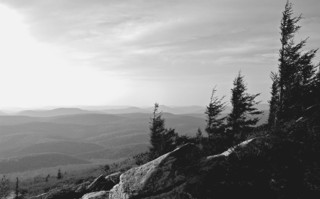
column 86, row 135
column 53, row 112
column 120, row 110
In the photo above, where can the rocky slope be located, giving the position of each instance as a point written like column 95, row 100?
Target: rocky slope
column 169, row 176
column 264, row 167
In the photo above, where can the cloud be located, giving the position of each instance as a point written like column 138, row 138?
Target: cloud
column 165, row 39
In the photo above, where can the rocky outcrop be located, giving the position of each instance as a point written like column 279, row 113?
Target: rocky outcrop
column 231, row 150
column 178, row 174
column 159, row 176
column 96, row 195
column 104, row 182
column 245, row 170
column 96, row 189
column 40, row 196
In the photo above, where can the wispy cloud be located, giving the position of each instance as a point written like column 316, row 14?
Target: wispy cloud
column 166, row 39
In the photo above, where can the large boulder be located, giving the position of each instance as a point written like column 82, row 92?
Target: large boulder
column 159, row 176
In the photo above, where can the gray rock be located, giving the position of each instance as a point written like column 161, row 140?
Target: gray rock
column 103, row 183
column 158, row 177
column 96, row 195
column 175, row 175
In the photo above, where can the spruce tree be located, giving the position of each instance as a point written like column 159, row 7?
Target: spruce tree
column 157, row 129
column 162, row 140
column 243, row 115
column 213, row 113
column 296, row 71
column 215, row 127
column 274, row 102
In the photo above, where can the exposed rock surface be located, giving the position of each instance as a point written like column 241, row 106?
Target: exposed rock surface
column 96, row 195
column 104, row 182
column 100, row 185
column 159, row 176
column 257, row 168
column 231, row 150
column 171, row 175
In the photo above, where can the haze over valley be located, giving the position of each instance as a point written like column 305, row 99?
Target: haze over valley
column 85, row 136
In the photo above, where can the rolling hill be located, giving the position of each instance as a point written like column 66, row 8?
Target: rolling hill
column 62, row 147
column 89, row 135
column 53, row 112
column 116, row 152
column 33, row 162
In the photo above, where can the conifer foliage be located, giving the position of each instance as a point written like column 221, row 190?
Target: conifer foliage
column 215, row 125
column 162, row 140
column 213, row 112
column 296, row 71
column 243, row 115
column 274, row 102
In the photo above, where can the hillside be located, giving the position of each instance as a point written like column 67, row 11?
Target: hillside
column 115, row 152
column 62, row 147
column 33, row 162
column 90, row 135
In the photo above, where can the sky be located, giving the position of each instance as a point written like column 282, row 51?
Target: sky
column 67, row 53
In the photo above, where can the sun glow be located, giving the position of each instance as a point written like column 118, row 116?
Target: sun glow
column 35, row 74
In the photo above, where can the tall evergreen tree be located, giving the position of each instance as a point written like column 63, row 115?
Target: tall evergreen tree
column 296, row 71
column 213, row 114
column 215, row 127
column 243, row 115
column 274, row 102
column 162, row 140
column 157, row 129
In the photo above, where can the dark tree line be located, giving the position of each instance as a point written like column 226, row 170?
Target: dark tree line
column 222, row 132
column 295, row 95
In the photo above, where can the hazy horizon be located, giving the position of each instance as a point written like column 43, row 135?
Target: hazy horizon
column 135, row 53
